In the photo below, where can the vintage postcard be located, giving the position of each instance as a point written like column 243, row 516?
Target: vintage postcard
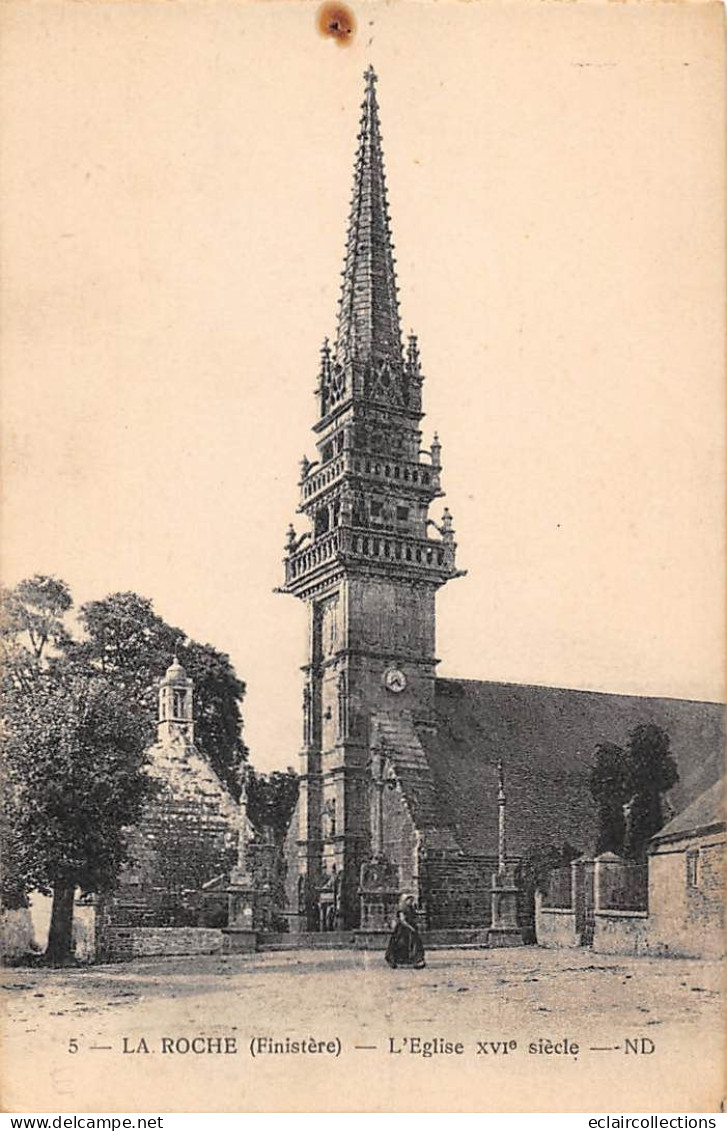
column 363, row 513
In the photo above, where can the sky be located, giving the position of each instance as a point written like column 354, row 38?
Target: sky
column 175, row 184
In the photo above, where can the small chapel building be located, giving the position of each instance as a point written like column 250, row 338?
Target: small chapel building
column 183, row 848
column 181, row 853
column 397, row 764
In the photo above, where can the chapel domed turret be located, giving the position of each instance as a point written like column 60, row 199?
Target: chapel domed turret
column 176, row 704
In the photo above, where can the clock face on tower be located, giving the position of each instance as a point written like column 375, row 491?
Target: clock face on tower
column 394, row 680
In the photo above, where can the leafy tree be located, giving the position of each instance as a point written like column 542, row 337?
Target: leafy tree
column 34, row 609
column 129, row 641
column 78, row 717
column 271, row 799
column 31, row 618
column 650, row 772
column 628, row 786
column 608, row 789
column 73, row 779
column 218, row 694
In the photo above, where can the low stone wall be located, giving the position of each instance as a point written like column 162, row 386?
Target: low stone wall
column 457, row 889
column 305, row 940
column 121, row 943
column 367, row 940
column 555, row 926
column 623, row 932
column 84, row 932
column 464, row 936
column 24, row 932
column 17, row 938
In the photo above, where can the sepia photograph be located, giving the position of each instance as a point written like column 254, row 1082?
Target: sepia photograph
column 362, row 615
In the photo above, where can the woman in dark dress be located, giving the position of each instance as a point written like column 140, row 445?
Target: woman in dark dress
column 405, row 945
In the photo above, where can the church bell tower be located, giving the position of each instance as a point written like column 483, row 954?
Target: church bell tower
column 370, row 563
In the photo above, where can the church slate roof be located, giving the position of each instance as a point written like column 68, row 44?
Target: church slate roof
column 394, row 731
column 705, row 812
column 546, row 737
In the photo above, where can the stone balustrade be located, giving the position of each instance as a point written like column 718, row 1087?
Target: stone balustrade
column 383, row 468
column 423, row 553
column 356, row 545
column 316, row 553
column 318, row 480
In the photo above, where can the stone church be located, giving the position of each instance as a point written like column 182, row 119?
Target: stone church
column 398, row 764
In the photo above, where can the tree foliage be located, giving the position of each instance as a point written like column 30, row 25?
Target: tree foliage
column 651, row 771
column 129, row 641
column 73, row 779
column 75, row 748
column 628, row 785
column 271, row 799
column 78, row 716
column 608, row 791
column 32, row 614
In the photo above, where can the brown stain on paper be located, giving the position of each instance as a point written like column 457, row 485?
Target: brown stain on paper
column 337, row 21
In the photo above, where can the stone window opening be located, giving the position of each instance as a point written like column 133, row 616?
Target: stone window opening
column 322, row 522
column 402, row 514
column 327, row 453
column 329, row 815
column 693, row 868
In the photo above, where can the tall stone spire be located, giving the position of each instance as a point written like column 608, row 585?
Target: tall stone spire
column 370, row 563
column 368, row 318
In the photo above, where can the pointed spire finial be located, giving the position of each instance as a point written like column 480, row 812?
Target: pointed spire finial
column 371, row 77
column 412, row 352
column 368, row 318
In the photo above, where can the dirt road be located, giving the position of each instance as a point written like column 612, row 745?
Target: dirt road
column 526, row 1029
